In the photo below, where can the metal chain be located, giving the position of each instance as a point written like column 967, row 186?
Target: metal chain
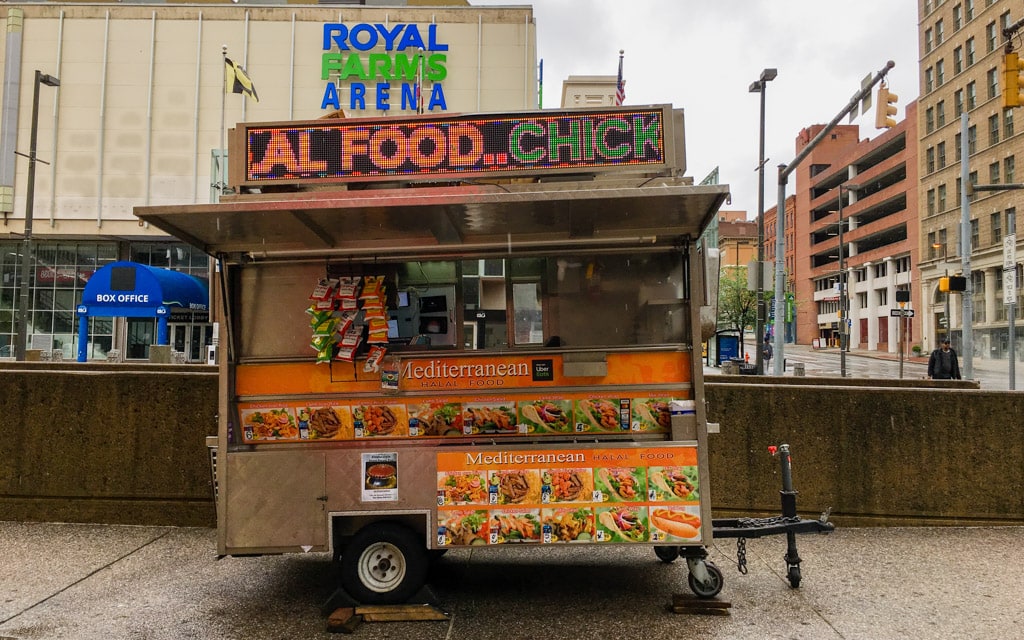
column 741, row 555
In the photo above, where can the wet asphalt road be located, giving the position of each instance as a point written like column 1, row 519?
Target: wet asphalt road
column 97, row 582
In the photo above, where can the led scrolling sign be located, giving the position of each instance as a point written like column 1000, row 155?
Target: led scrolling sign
column 446, row 147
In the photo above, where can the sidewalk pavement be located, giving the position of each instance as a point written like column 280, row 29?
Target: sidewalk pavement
column 99, row 582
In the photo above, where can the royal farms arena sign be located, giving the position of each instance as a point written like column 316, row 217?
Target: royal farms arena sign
column 384, row 66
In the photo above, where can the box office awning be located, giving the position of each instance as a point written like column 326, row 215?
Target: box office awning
column 444, row 219
column 133, row 290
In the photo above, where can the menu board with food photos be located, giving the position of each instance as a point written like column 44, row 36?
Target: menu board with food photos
column 549, row 496
column 452, row 416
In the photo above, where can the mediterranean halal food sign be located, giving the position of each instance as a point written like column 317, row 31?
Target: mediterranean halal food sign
column 448, row 147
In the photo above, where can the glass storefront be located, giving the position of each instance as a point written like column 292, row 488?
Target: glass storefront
column 55, row 289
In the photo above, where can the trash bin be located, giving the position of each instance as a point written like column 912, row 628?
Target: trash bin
column 748, row 369
column 798, row 368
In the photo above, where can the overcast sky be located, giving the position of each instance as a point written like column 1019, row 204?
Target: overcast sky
column 702, row 56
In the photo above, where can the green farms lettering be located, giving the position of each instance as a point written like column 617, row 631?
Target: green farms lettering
column 385, row 54
column 352, row 149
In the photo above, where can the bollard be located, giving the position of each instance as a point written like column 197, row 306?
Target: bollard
column 798, row 368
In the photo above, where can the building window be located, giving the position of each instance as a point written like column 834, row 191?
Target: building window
column 933, row 251
column 942, row 197
column 957, row 149
column 993, row 129
column 940, row 73
column 1011, row 220
column 997, row 231
column 929, row 163
column 958, row 192
column 990, row 37
column 931, row 202
column 929, row 120
column 929, row 80
column 958, row 60
column 993, row 173
column 928, row 40
column 940, row 113
column 1004, row 21
column 958, row 102
column 1007, row 123
column 55, row 287
column 939, row 33
column 972, row 178
column 940, row 152
column 958, row 17
column 970, row 51
column 972, row 95
column 880, row 270
column 972, row 139
column 969, row 10
column 993, row 83
column 1009, row 168
column 975, row 233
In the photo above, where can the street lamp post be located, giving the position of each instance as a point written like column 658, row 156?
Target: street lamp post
column 949, row 324
column 759, row 86
column 844, row 307
column 21, row 339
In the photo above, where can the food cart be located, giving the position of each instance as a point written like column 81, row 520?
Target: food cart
column 443, row 332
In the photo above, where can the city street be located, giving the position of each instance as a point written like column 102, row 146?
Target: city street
column 992, row 374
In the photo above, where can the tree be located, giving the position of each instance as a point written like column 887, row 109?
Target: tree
column 737, row 305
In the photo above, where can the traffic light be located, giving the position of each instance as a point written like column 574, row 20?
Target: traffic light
column 1013, row 80
column 885, row 109
column 952, row 283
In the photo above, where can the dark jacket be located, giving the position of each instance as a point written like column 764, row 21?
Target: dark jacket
column 943, row 365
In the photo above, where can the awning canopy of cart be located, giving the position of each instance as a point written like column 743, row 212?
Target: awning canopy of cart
column 442, row 220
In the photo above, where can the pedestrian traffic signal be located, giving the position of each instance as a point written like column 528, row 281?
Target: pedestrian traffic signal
column 952, row 283
column 885, row 109
column 1013, row 80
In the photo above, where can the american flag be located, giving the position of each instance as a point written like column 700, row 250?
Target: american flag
column 620, row 84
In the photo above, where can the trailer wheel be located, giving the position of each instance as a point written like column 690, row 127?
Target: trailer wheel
column 385, row 563
column 666, row 554
column 793, row 574
column 712, row 587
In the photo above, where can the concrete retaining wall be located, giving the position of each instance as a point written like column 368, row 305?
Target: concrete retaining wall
column 126, row 444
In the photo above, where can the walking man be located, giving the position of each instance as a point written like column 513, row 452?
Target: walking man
column 943, row 365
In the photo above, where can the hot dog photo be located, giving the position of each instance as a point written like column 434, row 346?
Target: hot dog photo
column 675, row 523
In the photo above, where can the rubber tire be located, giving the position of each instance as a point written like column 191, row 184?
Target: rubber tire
column 384, row 563
column 793, row 575
column 707, row 591
column 666, row 554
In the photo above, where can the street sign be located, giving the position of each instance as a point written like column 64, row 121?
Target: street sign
column 1009, row 286
column 895, row 313
column 1009, row 250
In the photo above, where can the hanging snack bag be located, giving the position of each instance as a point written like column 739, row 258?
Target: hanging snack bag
column 323, row 290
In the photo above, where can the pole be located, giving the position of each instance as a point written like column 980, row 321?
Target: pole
column 1012, row 330
column 760, row 86
column 901, row 328
column 760, row 243
column 21, row 338
column 778, row 303
column 842, row 292
column 222, row 154
column 780, row 213
column 967, row 341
